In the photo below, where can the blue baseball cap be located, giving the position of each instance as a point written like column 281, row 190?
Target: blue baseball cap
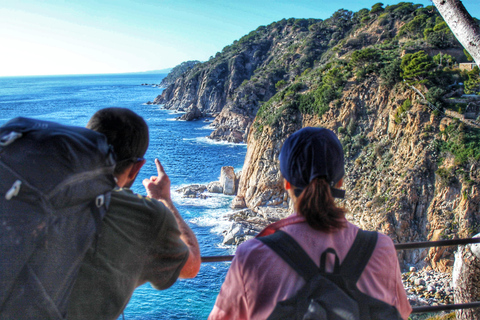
column 311, row 153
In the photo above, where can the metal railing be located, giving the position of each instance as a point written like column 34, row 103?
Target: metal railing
column 404, row 246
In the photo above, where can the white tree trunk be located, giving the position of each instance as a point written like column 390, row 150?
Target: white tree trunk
column 466, row 279
column 465, row 29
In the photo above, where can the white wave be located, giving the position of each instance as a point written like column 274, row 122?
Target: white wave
column 205, row 140
column 216, row 220
column 175, row 112
column 230, row 249
column 207, row 127
column 212, row 200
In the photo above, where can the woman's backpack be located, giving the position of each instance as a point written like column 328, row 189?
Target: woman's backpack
column 332, row 296
column 54, row 190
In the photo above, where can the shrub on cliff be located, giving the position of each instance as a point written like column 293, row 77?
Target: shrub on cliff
column 472, row 84
column 417, row 67
column 406, row 105
column 390, row 73
column 462, row 142
column 440, row 36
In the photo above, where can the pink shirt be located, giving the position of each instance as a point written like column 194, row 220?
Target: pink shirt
column 258, row 278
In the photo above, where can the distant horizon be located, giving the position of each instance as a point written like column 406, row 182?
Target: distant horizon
column 52, row 37
column 163, row 71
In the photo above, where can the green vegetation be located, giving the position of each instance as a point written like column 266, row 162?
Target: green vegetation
column 377, row 8
column 318, row 85
column 178, row 71
column 469, row 57
column 316, row 100
column 303, row 66
column 462, row 142
column 280, row 84
column 329, row 56
column 444, row 60
column 390, row 74
column 417, row 67
column 472, row 85
column 406, row 105
column 440, row 35
column 447, row 177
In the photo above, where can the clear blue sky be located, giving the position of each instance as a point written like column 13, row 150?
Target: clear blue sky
column 43, row 37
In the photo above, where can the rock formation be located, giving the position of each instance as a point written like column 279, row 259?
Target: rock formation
column 227, row 180
column 176, row 72
column 233, row 84
column 227, row 185
column 413, row 169
column 394, row 181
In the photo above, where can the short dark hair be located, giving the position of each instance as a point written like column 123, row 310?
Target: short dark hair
column 126, row 132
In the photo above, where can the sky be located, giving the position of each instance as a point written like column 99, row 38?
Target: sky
column 54, row 37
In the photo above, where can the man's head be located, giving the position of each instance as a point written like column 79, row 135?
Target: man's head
column 126, row 131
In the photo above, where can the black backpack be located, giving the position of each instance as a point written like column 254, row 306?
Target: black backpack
column 54, row 190
column 332, row 296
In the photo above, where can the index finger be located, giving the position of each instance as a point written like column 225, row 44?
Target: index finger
column 160, row 169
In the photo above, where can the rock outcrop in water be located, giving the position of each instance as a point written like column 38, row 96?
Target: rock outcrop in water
column 381, row 79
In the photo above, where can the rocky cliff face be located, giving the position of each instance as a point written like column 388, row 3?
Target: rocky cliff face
column 394, row 178
column 177, row 72
column 233, row 84
column 380, row 79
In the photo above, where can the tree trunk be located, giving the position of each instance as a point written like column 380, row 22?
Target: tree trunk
column 466, row 279
column 465, row 29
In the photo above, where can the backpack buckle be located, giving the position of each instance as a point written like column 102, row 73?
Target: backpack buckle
column 14, row 190
column 100, row 201
column 9, row 138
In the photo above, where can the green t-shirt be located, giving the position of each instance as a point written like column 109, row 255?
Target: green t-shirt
column 140, row 243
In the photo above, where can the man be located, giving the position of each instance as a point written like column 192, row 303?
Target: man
column 143, row 239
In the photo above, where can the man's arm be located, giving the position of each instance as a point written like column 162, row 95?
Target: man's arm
column 159, row 188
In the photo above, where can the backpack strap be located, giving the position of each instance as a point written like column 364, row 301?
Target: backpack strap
column 270, row 229
column 99, row 210
column 359, row 254
column 352, row 266
column 323, row 261
column 293, row 254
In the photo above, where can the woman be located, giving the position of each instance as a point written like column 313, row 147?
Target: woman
column 312, row 164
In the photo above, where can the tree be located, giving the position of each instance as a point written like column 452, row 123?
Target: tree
column 442, row 59
column 417, row 66
column 377, row 8
column 463, row 26
column 440, row 35
column 361, row 58
column 473, row 82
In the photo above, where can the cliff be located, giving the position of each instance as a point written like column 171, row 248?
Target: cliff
column 176, row 72
column 232, row 85
column 383, row 80
column 399, row 180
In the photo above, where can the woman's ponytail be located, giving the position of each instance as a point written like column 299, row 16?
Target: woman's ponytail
column 317, row 205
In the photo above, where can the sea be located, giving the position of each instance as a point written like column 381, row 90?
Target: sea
column 184, row 150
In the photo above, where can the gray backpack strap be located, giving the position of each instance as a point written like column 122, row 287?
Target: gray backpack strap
column 352, row 266
column 359, row 254
column 293, row 254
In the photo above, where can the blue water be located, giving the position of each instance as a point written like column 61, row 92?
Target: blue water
column 187, row 156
